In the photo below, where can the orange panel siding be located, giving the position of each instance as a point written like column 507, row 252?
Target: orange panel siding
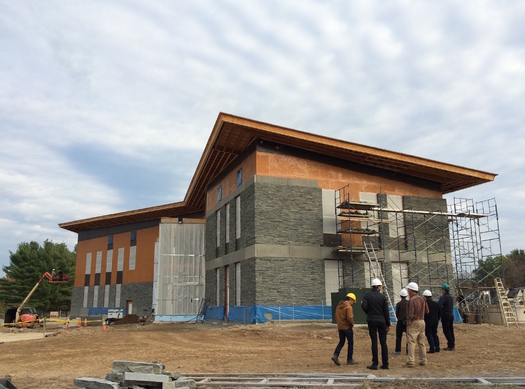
column 333, row 177
column 144, row 263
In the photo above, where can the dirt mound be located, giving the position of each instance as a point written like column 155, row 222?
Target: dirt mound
column 128, row 319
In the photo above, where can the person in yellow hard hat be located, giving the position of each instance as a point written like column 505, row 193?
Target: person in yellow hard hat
column 344, row 316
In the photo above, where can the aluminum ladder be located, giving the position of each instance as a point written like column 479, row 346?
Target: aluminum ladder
column 507, row 312
column 375, row 267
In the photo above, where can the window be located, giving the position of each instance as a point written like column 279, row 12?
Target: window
column 98, row 267
column 217, row 286
column 133, row 238
column 88, row 270
column 110, row 242
column 106, row 296
column 227, row 223
column 219, row 193
column 132, row 257
column 85, row 299
column 109, row 265
column 117, row 295
column 239, row 177
column 238, row 217
column 95, row 296
column 219, row 228
column 238, row 284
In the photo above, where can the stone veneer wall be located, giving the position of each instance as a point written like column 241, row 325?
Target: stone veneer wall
column 276, row 213
column 141, row 294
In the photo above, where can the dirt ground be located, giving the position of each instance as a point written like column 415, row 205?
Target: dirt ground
column 215, row 347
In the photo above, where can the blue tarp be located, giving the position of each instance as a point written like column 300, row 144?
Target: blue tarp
column 260, row 314
column 216, row 313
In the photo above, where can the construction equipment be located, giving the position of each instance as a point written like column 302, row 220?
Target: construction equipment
column 31, row 320
column 507, row 312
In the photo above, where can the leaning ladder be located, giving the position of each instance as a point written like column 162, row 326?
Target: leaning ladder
column 507, row 312
column 375, row 267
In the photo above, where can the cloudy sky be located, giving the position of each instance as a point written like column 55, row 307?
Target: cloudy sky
column 106, row 106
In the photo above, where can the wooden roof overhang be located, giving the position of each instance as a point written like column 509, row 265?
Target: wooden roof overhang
column 231, row 135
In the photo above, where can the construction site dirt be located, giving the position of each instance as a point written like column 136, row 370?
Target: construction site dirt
column 55, row 360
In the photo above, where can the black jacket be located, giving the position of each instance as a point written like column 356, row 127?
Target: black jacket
column 434, row 313
column 446, row 304
column 375, row 305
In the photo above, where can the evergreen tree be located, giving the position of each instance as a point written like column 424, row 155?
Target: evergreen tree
column 27, row 266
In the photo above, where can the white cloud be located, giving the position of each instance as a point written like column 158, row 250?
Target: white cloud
column 90, row 89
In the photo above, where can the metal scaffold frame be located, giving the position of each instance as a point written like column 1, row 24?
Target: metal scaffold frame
column 435, row 245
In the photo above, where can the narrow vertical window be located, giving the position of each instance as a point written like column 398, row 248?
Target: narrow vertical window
column 120, row 265
column 132, row 257
column 238, row 217
column 85, row 299
column 106, row 296
column 110, row 242
column 219, row 228
column 227, row 216
column 95, row 296
column 239, row 177
column 238, row 284
column 219, row 193
column 217, row 286
column 109, row 266
column 88, row 270
column 98, row 267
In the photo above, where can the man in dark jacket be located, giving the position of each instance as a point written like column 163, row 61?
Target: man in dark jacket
column 401, row 315
column 446, row 304
column 375, row 305
column 431, row 322
column 344, row 316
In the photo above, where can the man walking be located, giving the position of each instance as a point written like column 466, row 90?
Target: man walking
column 446, row 304
column 344, row 316
column 375, row 305
column 431, row 322
column 416, row 326
column 401, row 315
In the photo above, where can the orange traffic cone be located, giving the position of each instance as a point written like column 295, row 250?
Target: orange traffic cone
column 79, row 323
column 67, row 324
column 104, row 325
column 85, row 322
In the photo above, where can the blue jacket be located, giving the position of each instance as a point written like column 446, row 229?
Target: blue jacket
column 446, row 304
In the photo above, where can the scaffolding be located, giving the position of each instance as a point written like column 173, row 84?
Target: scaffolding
column 425, row 242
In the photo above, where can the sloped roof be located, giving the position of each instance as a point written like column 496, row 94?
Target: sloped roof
column 232, row 134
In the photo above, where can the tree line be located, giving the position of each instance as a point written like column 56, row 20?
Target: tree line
column 27, row 265
column 510, row 267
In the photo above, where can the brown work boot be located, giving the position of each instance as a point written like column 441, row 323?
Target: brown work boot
column 335, row 358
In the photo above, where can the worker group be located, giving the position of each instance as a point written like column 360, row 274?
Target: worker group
column 417, row 316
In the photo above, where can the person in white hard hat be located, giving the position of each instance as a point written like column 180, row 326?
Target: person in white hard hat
column 375, row 305
column 432, row 322
column 401, row 315
column 417, row 308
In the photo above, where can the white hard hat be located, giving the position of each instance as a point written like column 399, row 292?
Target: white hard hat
column 427, row 293
column 403, row 293
column 413, row 286
column 376, row 282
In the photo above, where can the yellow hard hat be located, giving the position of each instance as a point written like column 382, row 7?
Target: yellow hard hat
column 352, row 296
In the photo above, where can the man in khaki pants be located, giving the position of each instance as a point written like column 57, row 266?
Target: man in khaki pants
column 417, row 307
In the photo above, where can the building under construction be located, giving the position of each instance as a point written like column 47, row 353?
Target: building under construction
column 275, row 221
column 402, row 239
